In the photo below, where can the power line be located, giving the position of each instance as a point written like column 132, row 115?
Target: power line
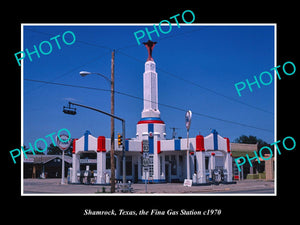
column 197, row 85
column 159, row 68
column 77, row 67
column 83, row 42
column 67, row 85
column 161, row 104
column 71, row 70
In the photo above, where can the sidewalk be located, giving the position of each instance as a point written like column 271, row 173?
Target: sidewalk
column 246, row 186
column 53, row 186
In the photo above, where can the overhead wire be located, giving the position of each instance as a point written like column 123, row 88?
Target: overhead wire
column 200, row 86
column 142, row 99
column 159, row 69
column 77, row 67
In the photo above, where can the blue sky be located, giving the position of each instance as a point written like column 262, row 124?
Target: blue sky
column 197, row 68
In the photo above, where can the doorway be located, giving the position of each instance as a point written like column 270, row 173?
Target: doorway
column 136, row 173
column 168, row 172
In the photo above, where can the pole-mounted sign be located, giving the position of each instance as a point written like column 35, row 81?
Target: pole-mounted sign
column 146, row 161
column 188, row 118
column 63, row 141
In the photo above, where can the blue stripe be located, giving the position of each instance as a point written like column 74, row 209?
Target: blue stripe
column 215, row 138
column 177, row 144
column 150, row 118
column 86, row 140
column 126, row 145
column 151, row 145
column 154, row 180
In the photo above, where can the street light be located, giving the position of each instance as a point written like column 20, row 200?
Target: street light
column 85, row 73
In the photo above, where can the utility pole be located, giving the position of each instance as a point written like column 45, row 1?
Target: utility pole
column 174, row 132
column 112, row 123
column 112, row 109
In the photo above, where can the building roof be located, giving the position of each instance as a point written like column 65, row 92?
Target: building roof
column 240, row 149
column 37, row 159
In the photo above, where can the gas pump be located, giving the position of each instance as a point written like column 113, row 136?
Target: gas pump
column 218, row 175
column 225, row 175
column 87, row 174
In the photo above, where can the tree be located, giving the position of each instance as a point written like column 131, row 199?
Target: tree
column 35, row 151
column 251, row 140
column 254, row 140
column 260, row 143
column 53, row 150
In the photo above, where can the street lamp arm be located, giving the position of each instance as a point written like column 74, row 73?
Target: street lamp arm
column 103, row 77
column 85, row 73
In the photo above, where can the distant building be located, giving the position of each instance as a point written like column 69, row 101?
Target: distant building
column 240, row 150
column 45, row 166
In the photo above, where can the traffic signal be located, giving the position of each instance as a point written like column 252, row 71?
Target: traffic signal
column 120, row 140
column 69, row 110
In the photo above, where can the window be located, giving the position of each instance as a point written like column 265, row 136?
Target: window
column 160, row 165
column 167, row 158
column 141, row 164
column 181, row 165
column 206, row 162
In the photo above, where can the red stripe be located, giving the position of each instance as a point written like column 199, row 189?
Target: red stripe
column 150, row 121
column 158, row 147
column 228, row 144
column 142, row 147
column 101, row 144
column 74, row 146
column 200, row 143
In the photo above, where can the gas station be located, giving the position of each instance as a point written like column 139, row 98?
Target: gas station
column 199, row 159
column 210, row 159
column 150, row 157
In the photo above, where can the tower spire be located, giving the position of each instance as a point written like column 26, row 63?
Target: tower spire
column 149, row 45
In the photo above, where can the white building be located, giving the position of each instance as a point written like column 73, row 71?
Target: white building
column 168, row 158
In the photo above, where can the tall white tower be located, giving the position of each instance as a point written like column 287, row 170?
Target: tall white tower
column 150, row 124
column 150, row 91
column 151, row 127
